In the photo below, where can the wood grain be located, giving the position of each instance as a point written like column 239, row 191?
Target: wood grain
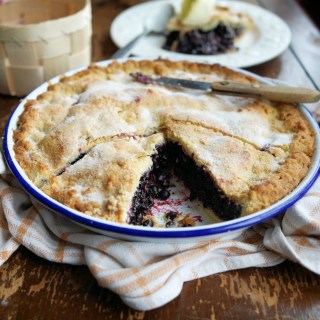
column 305, row 35
column 33, row 288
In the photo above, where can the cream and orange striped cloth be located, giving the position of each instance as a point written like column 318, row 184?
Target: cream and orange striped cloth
column 148, row 275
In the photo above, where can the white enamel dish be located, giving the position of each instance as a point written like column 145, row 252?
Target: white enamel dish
column 267, row 40
column 226, row 230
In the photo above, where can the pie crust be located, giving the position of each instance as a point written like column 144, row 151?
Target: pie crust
column 95, row 139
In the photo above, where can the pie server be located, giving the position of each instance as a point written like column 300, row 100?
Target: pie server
column 276, row 93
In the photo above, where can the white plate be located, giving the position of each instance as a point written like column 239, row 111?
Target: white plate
column 270, row 38
column 206, row 230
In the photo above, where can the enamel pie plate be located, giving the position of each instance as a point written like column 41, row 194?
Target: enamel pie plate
column 206, row 228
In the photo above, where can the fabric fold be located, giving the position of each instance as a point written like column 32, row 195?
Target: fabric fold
column 148, row 275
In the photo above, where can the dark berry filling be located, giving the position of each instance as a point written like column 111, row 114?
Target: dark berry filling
column 202, row 186
column 81, row 155
column 163, row 195
column 171, row 215
column 154, row 185
column 172, row 224
column 215, row 41
column 147, row 223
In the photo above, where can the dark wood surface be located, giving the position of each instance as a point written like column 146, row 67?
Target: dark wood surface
column 33, row 288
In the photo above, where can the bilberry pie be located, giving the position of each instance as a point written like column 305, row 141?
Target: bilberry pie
column 106, row 145
column 221, row 32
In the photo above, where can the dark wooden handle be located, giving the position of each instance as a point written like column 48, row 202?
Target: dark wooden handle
column 276, row 93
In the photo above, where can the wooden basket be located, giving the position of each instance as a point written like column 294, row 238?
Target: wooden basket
column 40, row 39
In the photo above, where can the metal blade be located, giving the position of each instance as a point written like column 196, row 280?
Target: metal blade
column 191, row 84
column 172, row 82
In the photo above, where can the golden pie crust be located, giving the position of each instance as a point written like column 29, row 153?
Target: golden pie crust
column 88, row 139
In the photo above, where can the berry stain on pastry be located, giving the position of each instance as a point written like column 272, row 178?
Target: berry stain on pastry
column 203, row 28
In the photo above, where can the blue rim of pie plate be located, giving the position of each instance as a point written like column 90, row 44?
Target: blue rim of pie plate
column 147, row 233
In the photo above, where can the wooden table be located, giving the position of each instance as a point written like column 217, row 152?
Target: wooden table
column 33, row 288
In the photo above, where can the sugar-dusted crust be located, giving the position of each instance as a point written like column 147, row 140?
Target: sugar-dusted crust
column 89, row 107
column 233, row 164
column 104, row 181
column 247, row 175
column 102, row 107
column 295, row 166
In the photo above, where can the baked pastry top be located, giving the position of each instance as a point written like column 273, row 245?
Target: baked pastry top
column 104, row 144
column 105, row 180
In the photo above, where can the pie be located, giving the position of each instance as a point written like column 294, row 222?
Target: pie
column 106, row 145
column 221, row 33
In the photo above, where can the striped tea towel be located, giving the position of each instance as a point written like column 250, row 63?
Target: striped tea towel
column 149, row 275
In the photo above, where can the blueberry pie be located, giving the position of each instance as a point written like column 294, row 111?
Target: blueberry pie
column 207, row 29
column 106, row 145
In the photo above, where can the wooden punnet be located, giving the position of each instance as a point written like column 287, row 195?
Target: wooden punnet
column 40, row 39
